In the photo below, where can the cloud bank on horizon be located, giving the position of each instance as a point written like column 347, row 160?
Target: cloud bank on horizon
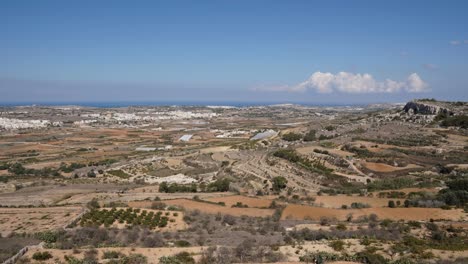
column 346, row 82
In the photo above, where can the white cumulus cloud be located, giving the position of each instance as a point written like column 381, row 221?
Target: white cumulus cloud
column 360, row 83
column 346, row 82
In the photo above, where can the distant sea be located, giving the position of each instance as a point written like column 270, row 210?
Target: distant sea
column 173, row 103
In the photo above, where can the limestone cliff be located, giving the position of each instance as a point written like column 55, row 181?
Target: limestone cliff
column 425, row 108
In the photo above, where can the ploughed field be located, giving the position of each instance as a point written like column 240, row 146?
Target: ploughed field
column 301, row 212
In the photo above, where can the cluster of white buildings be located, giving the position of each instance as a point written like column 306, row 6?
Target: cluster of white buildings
column 230, row 133
column 12, row 123
column 147, row 116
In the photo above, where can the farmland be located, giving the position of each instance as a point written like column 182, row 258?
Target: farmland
column 277, row 184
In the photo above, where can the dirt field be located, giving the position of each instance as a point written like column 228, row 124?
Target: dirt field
column 31, row 220
column 299, row 212
column 249, row 201
column 382, row 167
column 209, row 208
column 339, row 200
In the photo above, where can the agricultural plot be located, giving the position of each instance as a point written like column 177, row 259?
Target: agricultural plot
column 128, row 217
column 237, row 200
column 31, row 220
column 209, row 208
column 301, row 212
column 339, row 200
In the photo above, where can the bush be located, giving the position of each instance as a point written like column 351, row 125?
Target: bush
column 182, row 243
column 136, row 259
column 279, row 183
column 310, row 136
column 111, row 254
column 456, row 121
column 174, row 187
column 220, row 185
column 40, row 256
column 359, row 205
column 337, row 245
column 181, row 258
column 291, row 136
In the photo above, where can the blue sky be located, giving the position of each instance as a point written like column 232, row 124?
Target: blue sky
column 291, row 51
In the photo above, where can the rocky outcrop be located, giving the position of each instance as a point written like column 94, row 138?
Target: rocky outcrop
column 425, row 108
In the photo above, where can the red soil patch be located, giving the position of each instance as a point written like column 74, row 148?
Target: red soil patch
column 249, row 201
column 300, row 212
column 209, row 208
column 339, row 200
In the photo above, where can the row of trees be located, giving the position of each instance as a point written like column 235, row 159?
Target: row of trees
column 220, row 185
column 129, row 216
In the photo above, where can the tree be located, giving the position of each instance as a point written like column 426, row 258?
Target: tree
column 163, row 187
column 407, row 203
column 279, row 183
column 391, row 204
column 291, row 136
column 310, row 136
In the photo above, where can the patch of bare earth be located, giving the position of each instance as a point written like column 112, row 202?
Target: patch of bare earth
column 209, row 208
column 299, row 212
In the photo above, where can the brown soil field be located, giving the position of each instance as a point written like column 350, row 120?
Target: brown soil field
column 153, row 254
column 299, row 212
column 249, row 201
column 31, row 220
column 339, row 200
column 209, row 208
column 382, row 167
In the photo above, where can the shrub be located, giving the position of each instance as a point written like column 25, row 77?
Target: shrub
column 220, row 185
column 337, row 245
column 457, row 121
column 279, row 183
column 182, row 243
column 310, row 136
column 136, row 259
column 181, row 258
column 111, row 254
column 341, row 227
column 40, row 256
column 359, row 205
column 291, row 136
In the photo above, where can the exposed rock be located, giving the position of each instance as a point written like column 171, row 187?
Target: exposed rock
column 425, row 108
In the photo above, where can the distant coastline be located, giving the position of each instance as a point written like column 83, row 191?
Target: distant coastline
column 179, row 103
